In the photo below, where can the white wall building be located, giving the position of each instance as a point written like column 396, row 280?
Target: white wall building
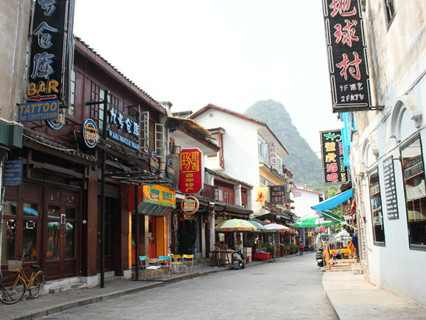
column 388, row 150
column 304, row 199
column 249, row 152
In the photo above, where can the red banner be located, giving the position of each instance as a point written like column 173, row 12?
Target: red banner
column 191, row 171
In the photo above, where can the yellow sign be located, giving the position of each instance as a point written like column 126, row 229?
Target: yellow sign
column 159, row 195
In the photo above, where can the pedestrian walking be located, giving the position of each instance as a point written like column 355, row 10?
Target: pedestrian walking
column 301, row 247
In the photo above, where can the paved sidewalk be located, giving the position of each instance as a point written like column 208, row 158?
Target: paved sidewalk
column 353, row 297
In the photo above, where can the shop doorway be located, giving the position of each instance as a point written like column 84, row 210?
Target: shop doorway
column 62, row 233
column 44, row 223
column 112, row 214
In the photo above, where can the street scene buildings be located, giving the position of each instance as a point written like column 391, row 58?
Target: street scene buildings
column 97, row 176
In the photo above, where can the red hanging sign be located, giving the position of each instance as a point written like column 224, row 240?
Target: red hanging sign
column 191, row 171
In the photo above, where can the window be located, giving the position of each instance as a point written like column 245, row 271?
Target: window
column 376, row 209
column 389, row 11
column 262, row 148
column 218, row 194
column 71, row 108
column 415, row 192
column 159, row 139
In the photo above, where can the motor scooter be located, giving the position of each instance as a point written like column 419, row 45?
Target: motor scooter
column 319, row 257
column 237, row 260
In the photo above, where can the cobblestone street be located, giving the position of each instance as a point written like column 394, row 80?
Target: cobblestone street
column 285, row 289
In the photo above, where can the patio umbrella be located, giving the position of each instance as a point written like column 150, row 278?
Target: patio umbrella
column 259, row 227
column 312, row 220
column 276, row 226
column 235, row 225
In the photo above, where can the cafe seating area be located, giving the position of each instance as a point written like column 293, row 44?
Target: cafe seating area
column 163, row 267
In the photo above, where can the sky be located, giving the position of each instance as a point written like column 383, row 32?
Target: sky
column 230, row 53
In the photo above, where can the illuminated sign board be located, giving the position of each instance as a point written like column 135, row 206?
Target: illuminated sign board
column 49, row 60
column 347, row 55
column 333, row 162
column 123, row 128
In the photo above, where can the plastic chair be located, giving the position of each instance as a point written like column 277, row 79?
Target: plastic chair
column 177, row 263
column 188, row 261
column 165, row 264
column 153, row 270
column 142, row 265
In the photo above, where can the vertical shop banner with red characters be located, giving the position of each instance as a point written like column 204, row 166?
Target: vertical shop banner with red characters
column 333, row 163
column 347, row 55
column 191, row 171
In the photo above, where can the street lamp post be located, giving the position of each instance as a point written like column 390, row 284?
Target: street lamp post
column 103, row 165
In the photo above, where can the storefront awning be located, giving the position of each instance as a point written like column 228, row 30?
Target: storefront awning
column 334, row 201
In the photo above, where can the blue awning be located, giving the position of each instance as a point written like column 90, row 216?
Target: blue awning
column 334, row 201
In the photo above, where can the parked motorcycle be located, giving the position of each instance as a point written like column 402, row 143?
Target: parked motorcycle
column 319, row 257
column 237, row 260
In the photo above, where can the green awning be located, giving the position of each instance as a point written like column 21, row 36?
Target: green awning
column 10, row 134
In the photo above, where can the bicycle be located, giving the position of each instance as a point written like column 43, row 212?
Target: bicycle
column 13, row 286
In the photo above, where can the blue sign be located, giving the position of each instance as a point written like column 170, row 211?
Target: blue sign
column 57, row 124
column 154, row 162
column 12, row 173
column 34, row 111
column 90, row 133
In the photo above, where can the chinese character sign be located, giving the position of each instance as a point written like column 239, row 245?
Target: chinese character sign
column 191, row 171
column 347, row 57
column 278, row 194
column 50, row 25
column 333, row 163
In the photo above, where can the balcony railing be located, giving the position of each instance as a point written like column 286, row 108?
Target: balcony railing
column 208, row 191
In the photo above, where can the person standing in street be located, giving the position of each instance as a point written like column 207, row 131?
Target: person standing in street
column 301, row 246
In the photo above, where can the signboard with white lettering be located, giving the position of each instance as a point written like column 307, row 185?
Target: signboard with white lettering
column 12, row 173
column 347, row 55
column 390, row 189
column 122, row 128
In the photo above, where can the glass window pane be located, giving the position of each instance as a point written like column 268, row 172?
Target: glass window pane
column 70, row 213
column 29, row 240
column 53, row 236
column 30, row 210
column 54, row 212
column 415, row 191
column 376, row 209
column 8, row 243
column 10, row 208
column 69, row 240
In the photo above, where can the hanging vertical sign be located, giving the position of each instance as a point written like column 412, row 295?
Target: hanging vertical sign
column 191, row 171
column 333, row 162
column 390, row 189
column 52, row 24
column 347, row 55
